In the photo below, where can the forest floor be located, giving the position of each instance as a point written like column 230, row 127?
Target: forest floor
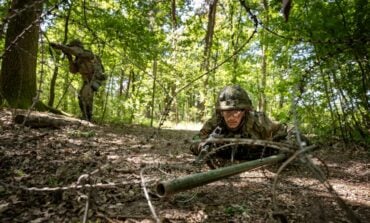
column 43, row 179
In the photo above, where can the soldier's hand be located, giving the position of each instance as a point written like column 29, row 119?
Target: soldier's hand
column 55, row 45
column 203, row 150
column 203, row 145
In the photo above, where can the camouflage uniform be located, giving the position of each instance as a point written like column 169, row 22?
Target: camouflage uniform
column 91, row 69
column 254, row 125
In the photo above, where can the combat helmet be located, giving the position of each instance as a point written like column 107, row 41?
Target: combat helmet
column 233, row 98
column 76, row 42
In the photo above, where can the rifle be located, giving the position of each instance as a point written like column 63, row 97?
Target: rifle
column 210, row 148
column 166, row 188
column 206, row 148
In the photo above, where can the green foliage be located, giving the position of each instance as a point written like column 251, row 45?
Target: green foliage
column 316, row 62
column 235, row 209
column 82, row 134
column 52, row 181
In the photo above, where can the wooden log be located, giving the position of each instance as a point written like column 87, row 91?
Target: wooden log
column 46, row 120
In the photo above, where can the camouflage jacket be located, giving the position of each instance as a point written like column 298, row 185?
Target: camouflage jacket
column 86, row 63
column 256, row 125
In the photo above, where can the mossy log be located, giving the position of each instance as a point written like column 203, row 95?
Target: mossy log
column 36, row 119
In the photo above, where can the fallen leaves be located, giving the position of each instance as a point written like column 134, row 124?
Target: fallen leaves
column 57, row 158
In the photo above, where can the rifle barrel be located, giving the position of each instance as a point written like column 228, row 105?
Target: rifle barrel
column 166, row 188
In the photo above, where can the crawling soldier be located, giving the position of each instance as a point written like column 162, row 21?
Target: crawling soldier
column 235, row 118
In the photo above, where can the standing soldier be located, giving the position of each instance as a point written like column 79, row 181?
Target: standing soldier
column 91, row 69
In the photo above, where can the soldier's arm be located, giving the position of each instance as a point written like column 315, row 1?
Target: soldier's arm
column 279, row 132
column 203, row 134
column 84, row 53
column 65, row 49
column 73, row 67
column 208, row 127
column 274, row 130
column 72, row 50
column 56, row 45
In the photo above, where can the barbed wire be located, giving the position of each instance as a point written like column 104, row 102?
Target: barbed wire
column 16, row 12
column 347, row 41
column 301, row 154
column 167, row 109
column 78, row 185
column 257, row 22
column 84, row 181
column 33, row 23
column 124, row 53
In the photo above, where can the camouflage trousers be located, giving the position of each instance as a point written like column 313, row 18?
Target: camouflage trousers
column 85, row 101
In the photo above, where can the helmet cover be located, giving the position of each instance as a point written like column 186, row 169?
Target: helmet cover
column 233, row 98
column 76, row 42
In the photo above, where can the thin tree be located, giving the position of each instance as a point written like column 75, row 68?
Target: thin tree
column 207, row 54
column 58, row 57
column 264, row 46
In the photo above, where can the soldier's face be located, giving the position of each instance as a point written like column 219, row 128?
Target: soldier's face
column 233, row 118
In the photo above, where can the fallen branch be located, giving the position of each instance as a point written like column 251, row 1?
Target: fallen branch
column 44, row 120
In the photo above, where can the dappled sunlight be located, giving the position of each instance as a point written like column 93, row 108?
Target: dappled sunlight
column 179, row 214
column 191, row 126
column 115, row 159
column 357, row 193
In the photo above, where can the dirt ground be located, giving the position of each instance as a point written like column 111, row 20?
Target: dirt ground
column 48, row 175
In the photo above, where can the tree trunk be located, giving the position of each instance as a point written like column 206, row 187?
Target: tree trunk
column 129, row 81
column 209, row 34
column 121, row 83
column 173, row 13
column 264, row 44
column 235, row 37
column 207, row 54
column 18, row 68
column 153, row 92
column 57, row 60
column 53, row 82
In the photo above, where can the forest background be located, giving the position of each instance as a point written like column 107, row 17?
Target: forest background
column 167, row 60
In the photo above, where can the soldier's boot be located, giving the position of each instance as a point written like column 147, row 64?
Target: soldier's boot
column 86, row 109
column 82, row 107
column 86, row 98
column 89, row 112
column 95, row 85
